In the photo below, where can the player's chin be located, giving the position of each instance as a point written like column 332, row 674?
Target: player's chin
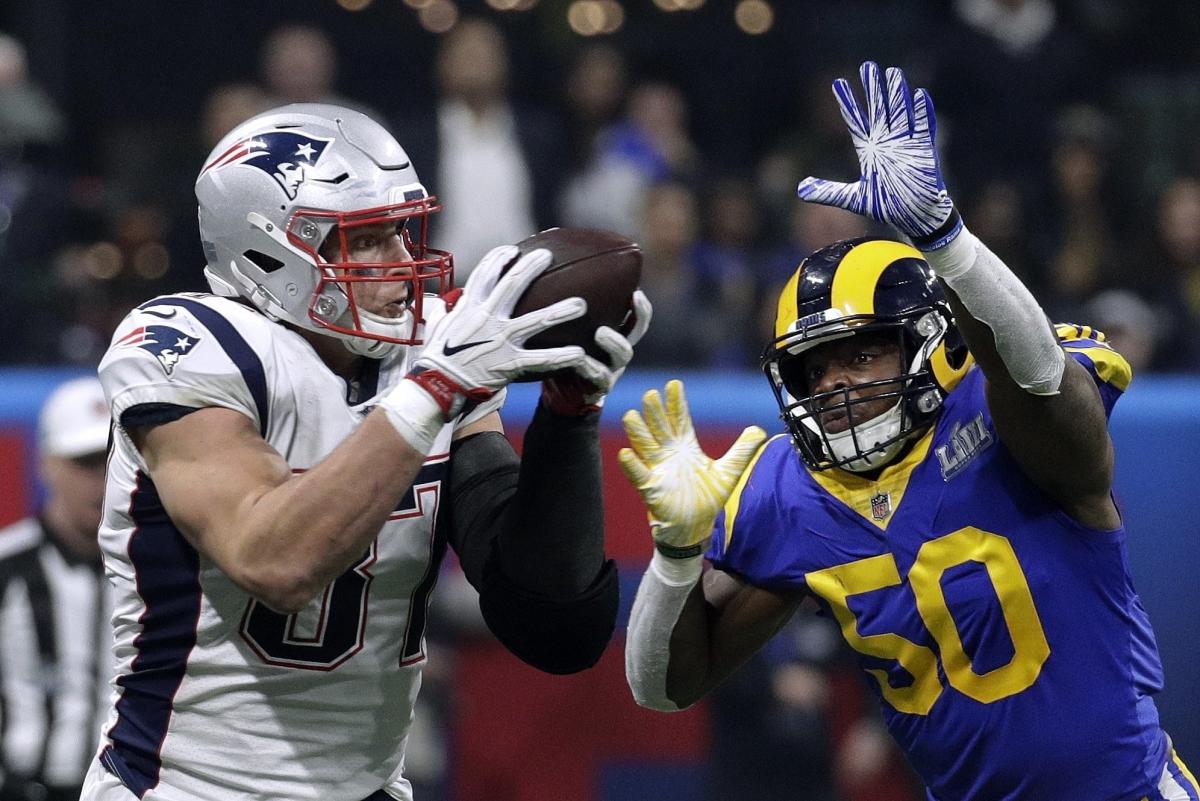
column 393, row 310
column 835, row 422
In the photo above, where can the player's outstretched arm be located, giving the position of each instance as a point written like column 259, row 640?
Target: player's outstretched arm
column 1045, row 406
column 529, row 530
column 686, row 634
column 284, row 537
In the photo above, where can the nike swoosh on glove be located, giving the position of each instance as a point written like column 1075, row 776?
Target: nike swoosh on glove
column 478, row 348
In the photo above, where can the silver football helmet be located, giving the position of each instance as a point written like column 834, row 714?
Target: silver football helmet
column 279, row 196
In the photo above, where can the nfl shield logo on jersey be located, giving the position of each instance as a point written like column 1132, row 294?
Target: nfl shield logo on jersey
column 881, row 505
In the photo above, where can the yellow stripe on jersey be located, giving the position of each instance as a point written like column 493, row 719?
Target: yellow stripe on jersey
column 853, row 290
column 1111, row 366
column 788, row 309
column 1184, row 769
column 735, row 498
column 1068, row 331
column 856, row 491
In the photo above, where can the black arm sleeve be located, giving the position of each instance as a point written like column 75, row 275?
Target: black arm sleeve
column 530, row 536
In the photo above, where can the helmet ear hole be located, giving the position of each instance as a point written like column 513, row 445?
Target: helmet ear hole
column 267, row 264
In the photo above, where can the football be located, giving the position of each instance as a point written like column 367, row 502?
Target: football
column 601, row 267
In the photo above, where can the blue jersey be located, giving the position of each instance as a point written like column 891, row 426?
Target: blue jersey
column 1007, row 645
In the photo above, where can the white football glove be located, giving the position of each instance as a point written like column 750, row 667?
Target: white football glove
column 684, row 490
column 894, row 137
column 570, row 394
column 478, row 348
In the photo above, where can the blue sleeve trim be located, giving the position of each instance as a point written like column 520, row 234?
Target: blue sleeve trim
column 238, row 350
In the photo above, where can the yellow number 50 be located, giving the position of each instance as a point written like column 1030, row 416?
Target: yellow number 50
column 995, row 553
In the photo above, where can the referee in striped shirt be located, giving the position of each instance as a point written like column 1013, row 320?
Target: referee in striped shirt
column 55, row 637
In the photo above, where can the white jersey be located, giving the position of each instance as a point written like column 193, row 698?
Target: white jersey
column 217, row 697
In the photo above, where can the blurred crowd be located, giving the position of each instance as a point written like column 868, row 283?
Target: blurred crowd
column 1080, row 171
column 1084, row 179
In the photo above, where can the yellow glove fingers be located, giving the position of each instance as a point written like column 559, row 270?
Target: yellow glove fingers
column 733, row 463
column 644, row 444
column 656, row 417
column 677, row 411
column 635, row 470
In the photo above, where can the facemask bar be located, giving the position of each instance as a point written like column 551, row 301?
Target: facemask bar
column 802, row 413
column 333, row 305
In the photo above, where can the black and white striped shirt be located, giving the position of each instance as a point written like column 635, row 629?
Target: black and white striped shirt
column 55, row 662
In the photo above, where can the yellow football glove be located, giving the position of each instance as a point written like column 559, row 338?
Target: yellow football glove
column 682, row 487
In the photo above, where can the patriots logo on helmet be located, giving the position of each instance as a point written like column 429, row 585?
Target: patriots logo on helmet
column 287, row 156
column 167, row 344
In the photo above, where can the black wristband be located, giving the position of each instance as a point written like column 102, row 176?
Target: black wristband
column 936, row 239
column 671, row 552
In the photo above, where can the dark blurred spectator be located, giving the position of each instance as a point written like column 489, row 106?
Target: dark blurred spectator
column 771, row 733
column 1174, row 271
column 814, row 145
column 687, row 326
column 727, row 264
column 595, row 95
column 498, row 166
column 28, row 117
column 35, row 203
column 227, row 106
column 94, row 284
column 796, row 722
column 809, row 227
column 57, row 656
column 1132, row 326
column 999, row 211
column 1007, row 67
column 298, row 64
column 1080, row 227
column 650, row 144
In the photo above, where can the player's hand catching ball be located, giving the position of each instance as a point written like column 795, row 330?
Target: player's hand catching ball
column 570, row 394
column 683, row 488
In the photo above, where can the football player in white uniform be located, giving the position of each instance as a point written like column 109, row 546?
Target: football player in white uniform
column 293, row 455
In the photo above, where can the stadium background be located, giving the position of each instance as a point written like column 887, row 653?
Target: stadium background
column 130, row 81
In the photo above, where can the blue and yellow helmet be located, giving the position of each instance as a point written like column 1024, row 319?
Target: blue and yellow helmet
column 853, row 287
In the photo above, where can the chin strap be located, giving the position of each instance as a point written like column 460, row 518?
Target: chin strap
column 863, row 437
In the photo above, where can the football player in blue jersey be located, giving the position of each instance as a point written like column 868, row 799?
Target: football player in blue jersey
column 944, row 491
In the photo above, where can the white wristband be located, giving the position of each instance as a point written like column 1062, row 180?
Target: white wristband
column 677, row 572
column 414, row 413
column 996, row 297
column 956, row 257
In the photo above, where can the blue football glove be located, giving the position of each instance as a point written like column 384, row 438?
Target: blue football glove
column 901, row 181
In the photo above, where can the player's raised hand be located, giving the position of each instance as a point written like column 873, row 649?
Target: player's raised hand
column 682, row 487
column 901, row 182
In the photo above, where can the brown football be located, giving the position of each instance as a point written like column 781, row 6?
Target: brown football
column 601, row 267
